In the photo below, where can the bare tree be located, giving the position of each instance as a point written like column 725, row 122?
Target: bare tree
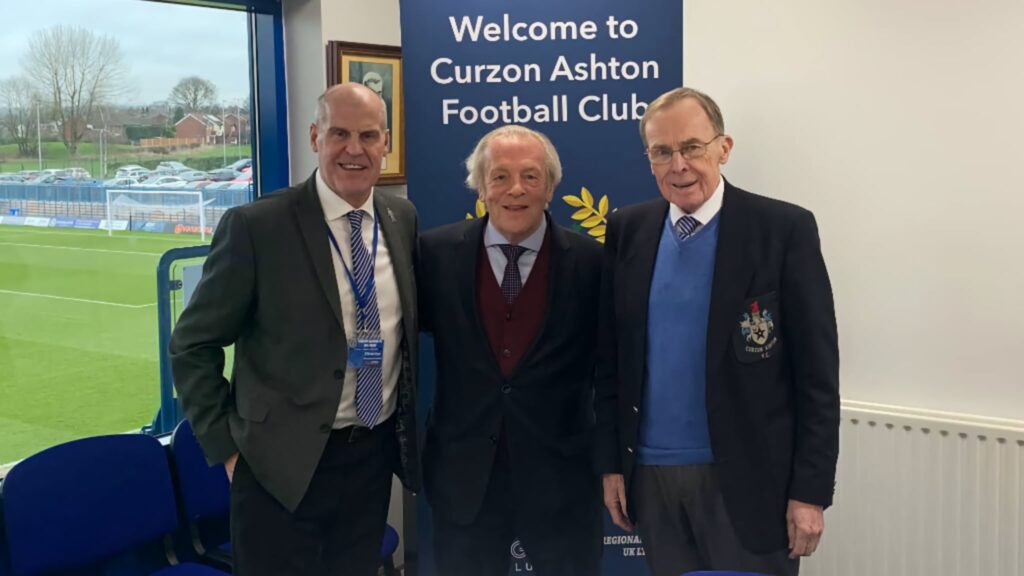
column 79, row 70
column 18, row 98
column 194, row 94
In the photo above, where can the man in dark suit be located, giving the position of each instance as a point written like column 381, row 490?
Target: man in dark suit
column 718, row 390
column 511, row 302
column 314, row 286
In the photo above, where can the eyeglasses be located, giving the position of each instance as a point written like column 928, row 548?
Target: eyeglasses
column 689, row 150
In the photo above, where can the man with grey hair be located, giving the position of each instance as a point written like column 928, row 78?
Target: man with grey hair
column 718, row 387
column 314, row 286
column 510, row 300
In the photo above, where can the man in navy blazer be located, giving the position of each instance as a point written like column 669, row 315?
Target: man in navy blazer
column 511, row 300
column 718, row 387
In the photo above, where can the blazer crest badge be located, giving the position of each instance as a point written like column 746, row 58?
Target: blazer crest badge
column 758, row 329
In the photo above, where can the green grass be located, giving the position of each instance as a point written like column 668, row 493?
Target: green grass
column 78, row 334
column 55, row 155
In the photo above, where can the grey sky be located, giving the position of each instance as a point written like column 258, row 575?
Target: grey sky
column 161, row 43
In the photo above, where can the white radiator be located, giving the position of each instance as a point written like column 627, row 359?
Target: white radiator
column 924, row 493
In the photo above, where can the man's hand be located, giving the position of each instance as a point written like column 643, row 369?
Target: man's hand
column 615, row 500
column 229, row 466
column 805, row 523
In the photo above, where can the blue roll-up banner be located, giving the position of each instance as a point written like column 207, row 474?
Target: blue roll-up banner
column 581, row 72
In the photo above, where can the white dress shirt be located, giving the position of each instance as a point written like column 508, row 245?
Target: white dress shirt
column 335, row 214
column 708, row 210
column 493, row 240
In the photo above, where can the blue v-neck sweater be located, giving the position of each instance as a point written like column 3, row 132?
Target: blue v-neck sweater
column 675, row 424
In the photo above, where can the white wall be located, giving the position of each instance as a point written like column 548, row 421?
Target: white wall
column 899, row 123
column 367, row 21
column 309, row 26
column 305, row 68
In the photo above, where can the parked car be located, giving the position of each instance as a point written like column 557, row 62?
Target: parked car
column 173, row 166
column 159, row 172
column 166, row 182
column 76, row 173
column 52, row 172
column 223, row 174
column 121, row 183
column 51, row 179
column 127, row 170
column 27, row 175
column 240, row 164
column 194, row 175
column 11, row 179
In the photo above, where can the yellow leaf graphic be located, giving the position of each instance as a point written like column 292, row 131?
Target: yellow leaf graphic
column 601, row 239
column 593, row 221
column 582, row 214
column 602, row 207
column 597, row 231
column 469, row 216
column 481, row 210
column 573, row 201
column 588, row 199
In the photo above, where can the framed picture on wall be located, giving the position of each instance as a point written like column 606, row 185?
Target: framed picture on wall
column 379, row 68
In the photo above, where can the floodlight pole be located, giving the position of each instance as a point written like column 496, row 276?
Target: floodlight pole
column 238, row 127
column 223, row 135
column 39, row 136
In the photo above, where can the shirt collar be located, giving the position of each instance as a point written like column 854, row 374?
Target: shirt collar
column 708, row 210
column 335, row 206
column 533, row 242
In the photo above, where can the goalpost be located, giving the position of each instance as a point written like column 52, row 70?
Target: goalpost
column 125, row 206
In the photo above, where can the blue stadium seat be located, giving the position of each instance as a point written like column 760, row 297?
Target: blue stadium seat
column 206, row 500
column 82, row 503
column 387, row 550
column 205, row 497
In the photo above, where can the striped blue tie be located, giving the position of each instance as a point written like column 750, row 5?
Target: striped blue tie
column 686, row 226
column 369, row 379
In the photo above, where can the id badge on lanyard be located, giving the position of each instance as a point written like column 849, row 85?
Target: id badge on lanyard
column 366, row 346
column 366, row 350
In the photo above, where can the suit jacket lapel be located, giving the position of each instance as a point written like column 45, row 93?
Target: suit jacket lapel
column 400, row 260
column 310, row 216
column 734, row 269
column 468, row 253
column 638, row 263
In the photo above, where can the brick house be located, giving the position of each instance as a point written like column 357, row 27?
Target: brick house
column 204, row 127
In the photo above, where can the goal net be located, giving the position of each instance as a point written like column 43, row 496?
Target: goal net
column 172, row 211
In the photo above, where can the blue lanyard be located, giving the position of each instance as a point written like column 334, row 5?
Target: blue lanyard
column 362, row 296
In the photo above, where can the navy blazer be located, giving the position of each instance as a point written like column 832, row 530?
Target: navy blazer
column 544, row 408
column 772, row 379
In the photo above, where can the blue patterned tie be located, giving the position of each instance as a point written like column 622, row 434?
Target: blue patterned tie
column 369, row 379
column 512, row 282
column 686, row 226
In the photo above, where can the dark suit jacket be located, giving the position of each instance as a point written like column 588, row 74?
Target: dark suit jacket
column 545, row 406
column 269, row 288
column 773, row 422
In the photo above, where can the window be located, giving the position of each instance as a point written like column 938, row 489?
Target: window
column 171, row 124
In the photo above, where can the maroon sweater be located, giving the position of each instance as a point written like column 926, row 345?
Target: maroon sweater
column 511, row 329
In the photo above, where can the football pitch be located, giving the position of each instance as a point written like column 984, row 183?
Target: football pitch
column 78, row 334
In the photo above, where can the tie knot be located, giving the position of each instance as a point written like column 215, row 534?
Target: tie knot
column 512, row 252
column 355, row 219
column 686, row 226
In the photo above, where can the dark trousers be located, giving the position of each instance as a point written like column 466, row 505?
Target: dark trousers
column 685, row 527
column 564, row 543
column 338, row 526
